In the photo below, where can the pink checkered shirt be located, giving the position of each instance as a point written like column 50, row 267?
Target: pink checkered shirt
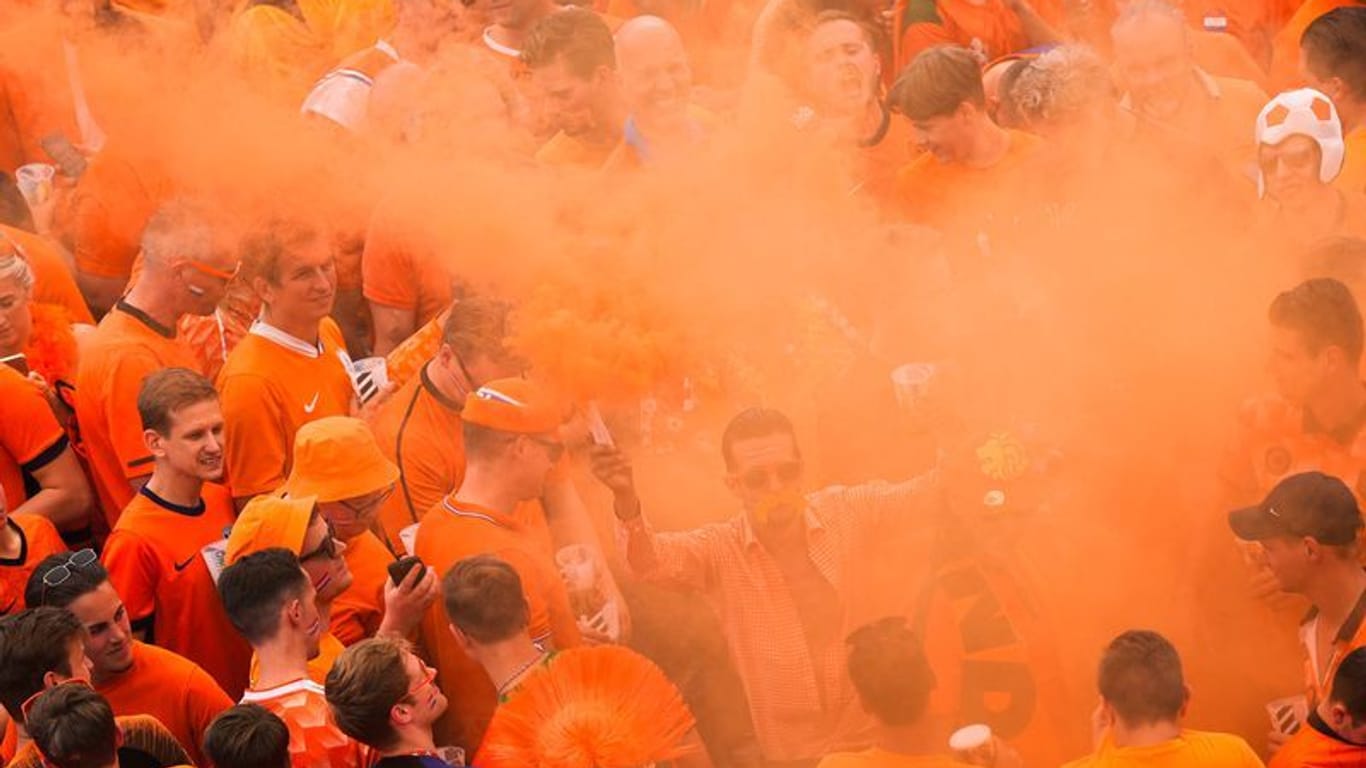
column 870, row 542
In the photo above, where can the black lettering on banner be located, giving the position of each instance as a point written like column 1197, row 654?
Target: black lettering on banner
column 1009, row 681
column 984, row 626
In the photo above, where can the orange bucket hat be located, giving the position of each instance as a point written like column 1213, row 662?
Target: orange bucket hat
column 337, row 458
column 270, row 521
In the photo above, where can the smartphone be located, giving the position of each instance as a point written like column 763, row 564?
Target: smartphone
column 16, row 361
column 398, row 570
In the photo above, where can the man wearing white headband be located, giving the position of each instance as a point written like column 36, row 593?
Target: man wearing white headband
column 1299, row 154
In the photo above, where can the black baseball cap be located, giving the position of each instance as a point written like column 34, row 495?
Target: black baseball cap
column 1308, row 504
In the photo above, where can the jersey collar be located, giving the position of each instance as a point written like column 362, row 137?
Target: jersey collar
column 292, row 343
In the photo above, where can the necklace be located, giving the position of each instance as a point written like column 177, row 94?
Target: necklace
column 515, row 676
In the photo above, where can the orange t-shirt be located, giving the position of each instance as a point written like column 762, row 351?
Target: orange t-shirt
column 452, row 531
column 1352, row 178
column 401, row 271
column 565, row 151
column 1285, row 46
column 1274, row 439
column 158, row 560
column 38, row 538
column 357, row 612
column 1190, row 748
column 1319, row 672
column 315, row 741
column 881, row 758
column 420, row 431
column 52, row 280
column 125, row 348
column 172, row 689
column 950, row 195
column 30, row 437
column 110, row 207
column 1222, row 55
column 329, row 648
column 992, row 29
column 1315, row 745
column 270, row 386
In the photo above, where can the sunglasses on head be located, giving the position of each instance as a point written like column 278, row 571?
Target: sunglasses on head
column 60, row 573
column 758, row 479
column 327, row 549
column 201, row 267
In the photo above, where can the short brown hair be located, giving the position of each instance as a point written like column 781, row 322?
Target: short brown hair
column 478, row 326
column 365, row 682
column 577, row 35
column 1140, row 678
column 167, row 391
column 33, row 643
column 484, row 599
column 262, row 250
column 247, row 736
column 1324, row 313
column 73, row 727
column 1334, row 45
column 937, row 81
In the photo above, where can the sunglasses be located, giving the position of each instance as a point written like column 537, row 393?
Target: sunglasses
column 203, row 268
column 360, row 509
column 327, row 549
column 60, row 573
column 759, row 478
column 428, row 677
column 27, row 706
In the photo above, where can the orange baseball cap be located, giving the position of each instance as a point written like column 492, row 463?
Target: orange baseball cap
column 270, row 521
column 514, row 405
column 337, row 458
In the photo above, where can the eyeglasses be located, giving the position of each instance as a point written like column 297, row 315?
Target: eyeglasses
column 60, row 573
column 428, row 677
column 30, row 701
column 553, row 448
column 759, row 478
column 327, row 549
column 203, row 268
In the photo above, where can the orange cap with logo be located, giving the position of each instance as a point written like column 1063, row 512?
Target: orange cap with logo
column 514, row 405
column 270, row 521
column 336, row 458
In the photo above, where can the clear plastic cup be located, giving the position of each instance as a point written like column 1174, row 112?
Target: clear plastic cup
column 369, row 376
column 974, row 744
column 35, row 182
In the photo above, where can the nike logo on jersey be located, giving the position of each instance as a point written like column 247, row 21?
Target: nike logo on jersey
column 312, row 403
column 182, row 566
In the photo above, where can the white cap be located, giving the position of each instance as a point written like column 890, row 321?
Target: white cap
column 1303, row 112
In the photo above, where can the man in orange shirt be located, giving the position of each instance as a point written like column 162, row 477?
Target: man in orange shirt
column 136, row 678
column 1195, row 118
column 1333, row 61
column 36, row 453
column 1286, row 58
column 656, row 84
column 272, row 602
column 512, row 21
column 419, row 427
column 1335, row 733
column 40, row 649
column 337, row 462
column 24, row 541
column 295, row 524
column 248, row 735
column 185, row 272
column 511, row 444
column 167, row 545
column 489, row 617
column 292, row 367
column 573, row 65
column 1143, row 699
column 971, row 170
column 1306, row 532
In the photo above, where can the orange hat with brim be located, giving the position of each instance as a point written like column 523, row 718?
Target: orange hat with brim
column 514, row 405
column 270, row 521
column 337, row 458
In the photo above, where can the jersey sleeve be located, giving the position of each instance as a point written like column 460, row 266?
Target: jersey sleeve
column 29, row 432
column 204, row 700
column 254, row 438
column 121, row 416
column 387, row 266
column 133, row 572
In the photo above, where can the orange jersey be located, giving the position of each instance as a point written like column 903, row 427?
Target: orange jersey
column 329, row 648
column 881, row 758
column 1222, row 55
column 52, row 280
column 271, row 385
column 159, row 557
column 357, row 612
column 111, row 204
column 947, row 195
column 1214, row 117
column 38, row 538
column 1316, row 746
column 401, row 271
column 452, row 531
column 1352, row 178
column 30, row 437
column 1275, row 439
column 127, row 346
column 419, row 429
column 172, row 689
column 1319, row 672
column 565, row 151
column 1191, row 748
column 991, row 28
column 315, row 741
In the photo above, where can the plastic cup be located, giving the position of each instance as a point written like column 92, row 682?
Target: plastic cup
column 974, row 744
column 369, row 376
column 912, row 383
column 35, row 182
column 577, row 565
